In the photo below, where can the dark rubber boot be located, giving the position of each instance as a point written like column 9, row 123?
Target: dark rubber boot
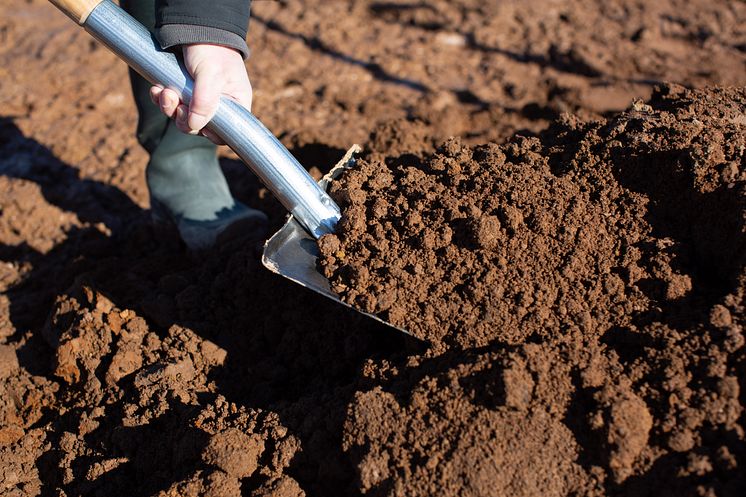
column 186, row 184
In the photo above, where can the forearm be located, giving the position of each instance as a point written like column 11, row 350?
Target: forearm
column 217, row 22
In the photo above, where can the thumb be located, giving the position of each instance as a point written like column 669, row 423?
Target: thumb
column 205, row 97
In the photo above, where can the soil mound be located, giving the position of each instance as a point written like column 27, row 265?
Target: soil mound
column 574, row 232
column 595, row 278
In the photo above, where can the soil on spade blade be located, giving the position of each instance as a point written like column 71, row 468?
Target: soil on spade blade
column 128, row 367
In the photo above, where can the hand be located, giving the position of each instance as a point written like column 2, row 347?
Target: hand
column 217, row 71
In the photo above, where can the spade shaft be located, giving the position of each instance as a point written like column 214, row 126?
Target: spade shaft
column 244, row 133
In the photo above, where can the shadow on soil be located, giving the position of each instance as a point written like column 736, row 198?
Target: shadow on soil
column 315, row 43
column 425, row 16
column 707, row 228
column 289, row 351
column 707, row 244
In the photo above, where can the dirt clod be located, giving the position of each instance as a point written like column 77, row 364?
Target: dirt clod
column 234, row 452
column 8, row 361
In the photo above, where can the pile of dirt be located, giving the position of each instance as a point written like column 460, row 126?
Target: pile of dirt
column 595, row 277
column 545, row 236
column 473, row 245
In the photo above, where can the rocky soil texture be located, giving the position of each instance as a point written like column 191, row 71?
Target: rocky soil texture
column 569, row 241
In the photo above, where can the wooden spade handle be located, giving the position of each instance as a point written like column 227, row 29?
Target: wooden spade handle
column 77, row 10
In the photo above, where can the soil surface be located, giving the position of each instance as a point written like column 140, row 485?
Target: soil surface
column 573, row 256
column 594, row 277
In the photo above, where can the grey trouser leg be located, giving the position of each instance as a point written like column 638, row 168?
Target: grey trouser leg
column 183, row 173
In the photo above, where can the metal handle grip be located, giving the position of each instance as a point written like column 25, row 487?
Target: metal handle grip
column 244, row 133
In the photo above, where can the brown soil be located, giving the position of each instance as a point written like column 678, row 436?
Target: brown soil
column 613, row 364
column 596, row 278
column 559, row 235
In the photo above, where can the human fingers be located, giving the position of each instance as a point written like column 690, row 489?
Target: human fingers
column 180, row 119
column 212, row 136
column 205, row 97
column 168, row 101
column 155, row 92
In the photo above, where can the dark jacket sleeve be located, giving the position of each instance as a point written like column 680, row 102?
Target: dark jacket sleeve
column 220, row 22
